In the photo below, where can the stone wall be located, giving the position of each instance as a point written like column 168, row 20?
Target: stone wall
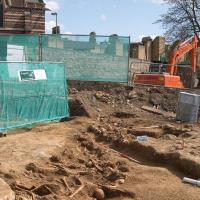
column 137, row 51
column 158, row 49
column 88, row 66
column 149, row 50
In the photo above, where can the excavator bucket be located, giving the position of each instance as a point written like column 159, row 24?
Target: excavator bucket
column 164, row 80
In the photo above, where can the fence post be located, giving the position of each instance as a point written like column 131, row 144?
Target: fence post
column 128, row 71
column 40, row 47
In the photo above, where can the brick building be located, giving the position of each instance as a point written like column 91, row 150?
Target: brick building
column 22, row 16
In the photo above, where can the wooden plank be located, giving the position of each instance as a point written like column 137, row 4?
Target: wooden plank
column 158, row 112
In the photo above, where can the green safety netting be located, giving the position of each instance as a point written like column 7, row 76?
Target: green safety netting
column 86, row 57
column 89, row 57
column 19, row 48
column 31, row 93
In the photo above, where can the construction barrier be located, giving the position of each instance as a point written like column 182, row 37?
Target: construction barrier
column 19, row 48
column 33, row 85
column 89, row 58
column 86, row 57
column 31, row 93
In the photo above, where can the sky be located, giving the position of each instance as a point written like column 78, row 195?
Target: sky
column 134, row 18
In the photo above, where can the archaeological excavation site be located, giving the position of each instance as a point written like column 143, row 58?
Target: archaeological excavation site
column 98, row 117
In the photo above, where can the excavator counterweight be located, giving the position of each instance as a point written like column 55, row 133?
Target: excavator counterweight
column 164, row 80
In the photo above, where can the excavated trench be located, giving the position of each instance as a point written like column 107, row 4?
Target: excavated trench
column 150, row 156
column 142, row 151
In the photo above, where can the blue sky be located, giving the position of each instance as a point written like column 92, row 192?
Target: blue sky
column 124, row 17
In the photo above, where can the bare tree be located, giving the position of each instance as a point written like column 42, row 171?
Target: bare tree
column 182, row 19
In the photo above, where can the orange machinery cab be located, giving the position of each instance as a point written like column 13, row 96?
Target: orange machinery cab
column 164, row 80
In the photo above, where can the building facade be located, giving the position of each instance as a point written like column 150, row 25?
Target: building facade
column 137, row 50
column 148, row 49
column 22, row 16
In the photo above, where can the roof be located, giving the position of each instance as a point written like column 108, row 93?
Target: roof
column 34, row 1
column 20, row 3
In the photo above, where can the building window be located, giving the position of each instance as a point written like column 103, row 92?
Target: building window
column 1, row 13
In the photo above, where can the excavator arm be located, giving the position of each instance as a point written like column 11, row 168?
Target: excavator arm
column 189, row 45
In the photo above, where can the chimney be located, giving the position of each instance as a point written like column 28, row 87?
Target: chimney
column 56, row 30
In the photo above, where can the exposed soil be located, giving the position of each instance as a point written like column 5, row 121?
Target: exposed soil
column 97, row 155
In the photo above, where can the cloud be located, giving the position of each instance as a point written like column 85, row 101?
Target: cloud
column 139, row 39
column 157, row 1
column 68, row 33
column 103, row 17
column 50, row 24
column 53, row 5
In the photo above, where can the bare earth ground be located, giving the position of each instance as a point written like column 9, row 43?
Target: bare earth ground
column 96, row 154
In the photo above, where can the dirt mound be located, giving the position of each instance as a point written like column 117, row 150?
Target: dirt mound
column 115, row 94
column 163, row 98
column 77, row 108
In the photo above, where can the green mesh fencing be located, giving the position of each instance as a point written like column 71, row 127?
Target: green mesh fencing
column 31, row 93
column 19, row 48
column 89, row 58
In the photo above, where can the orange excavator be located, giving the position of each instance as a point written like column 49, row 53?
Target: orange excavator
column 171, row 78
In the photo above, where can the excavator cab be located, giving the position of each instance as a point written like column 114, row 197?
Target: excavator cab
column 172, row 77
